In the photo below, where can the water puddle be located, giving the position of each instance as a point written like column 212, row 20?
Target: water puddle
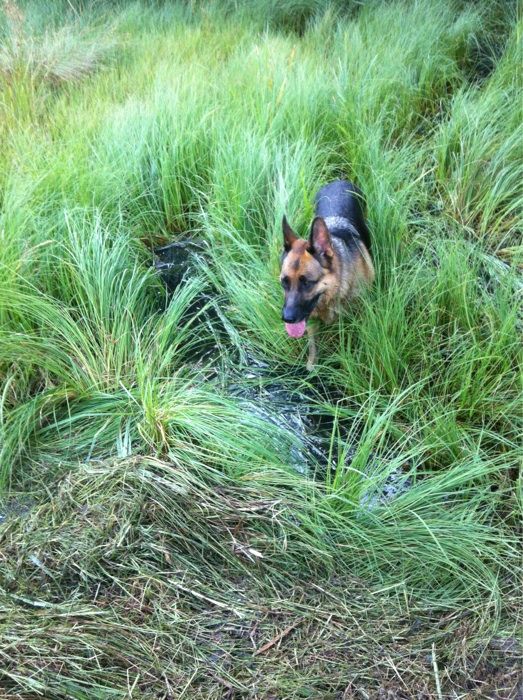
column 260, row 392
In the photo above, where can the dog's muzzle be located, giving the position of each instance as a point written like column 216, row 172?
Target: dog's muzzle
column 296, row 315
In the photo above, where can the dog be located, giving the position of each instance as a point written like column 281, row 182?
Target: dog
column 334, row 265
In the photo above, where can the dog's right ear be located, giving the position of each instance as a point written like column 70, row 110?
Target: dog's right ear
column 320, row 242
column 288, row 235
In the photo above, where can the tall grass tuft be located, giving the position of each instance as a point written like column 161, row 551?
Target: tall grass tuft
column 33, row 65
column 478, row 151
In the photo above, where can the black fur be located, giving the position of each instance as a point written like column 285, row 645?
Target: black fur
column 342, row 198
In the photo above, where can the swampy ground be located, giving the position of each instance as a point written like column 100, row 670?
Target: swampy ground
column 187, row 513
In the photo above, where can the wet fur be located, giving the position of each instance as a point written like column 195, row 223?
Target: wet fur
column 336, row 257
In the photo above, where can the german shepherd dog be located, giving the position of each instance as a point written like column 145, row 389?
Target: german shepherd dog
column 334, row 265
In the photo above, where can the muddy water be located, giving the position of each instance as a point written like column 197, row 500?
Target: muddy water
column 266, row 396
column 254, row 385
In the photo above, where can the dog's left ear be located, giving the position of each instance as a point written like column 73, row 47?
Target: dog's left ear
column 320, row 239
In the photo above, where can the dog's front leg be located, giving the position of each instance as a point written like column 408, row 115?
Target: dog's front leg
column 312, row 348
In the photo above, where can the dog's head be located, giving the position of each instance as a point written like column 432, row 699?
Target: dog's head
column 306, row 273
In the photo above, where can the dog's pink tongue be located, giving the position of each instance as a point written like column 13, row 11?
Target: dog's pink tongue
column 295, row 330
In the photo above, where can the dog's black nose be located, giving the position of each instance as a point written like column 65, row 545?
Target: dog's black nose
column 289, row 315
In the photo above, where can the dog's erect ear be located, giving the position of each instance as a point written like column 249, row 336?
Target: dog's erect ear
column 288, row 234
column 320, row 240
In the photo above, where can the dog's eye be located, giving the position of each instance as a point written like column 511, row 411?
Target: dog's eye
column 308, row 284
column 285, row 282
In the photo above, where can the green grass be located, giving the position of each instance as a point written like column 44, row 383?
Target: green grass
column 160, row 540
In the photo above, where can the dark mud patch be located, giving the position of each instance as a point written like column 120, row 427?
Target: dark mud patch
column 173, row 262
column 13, row 508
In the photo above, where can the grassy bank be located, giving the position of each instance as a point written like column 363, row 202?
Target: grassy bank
column 166, row 531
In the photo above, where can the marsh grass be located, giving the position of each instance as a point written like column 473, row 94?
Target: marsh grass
column 479, row 155
column 169, row 537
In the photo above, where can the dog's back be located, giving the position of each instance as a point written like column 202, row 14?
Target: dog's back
column 340, row 204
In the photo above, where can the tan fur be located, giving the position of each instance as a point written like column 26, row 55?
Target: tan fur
column 351, row 273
